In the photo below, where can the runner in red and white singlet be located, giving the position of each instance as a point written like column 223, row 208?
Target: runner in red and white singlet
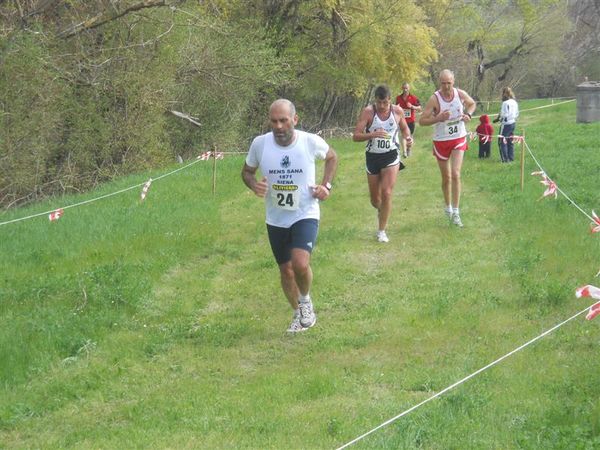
column 448, row 109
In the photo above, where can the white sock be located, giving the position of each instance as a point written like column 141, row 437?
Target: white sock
column 304, row 298
column 455, row 210
column 449, row 208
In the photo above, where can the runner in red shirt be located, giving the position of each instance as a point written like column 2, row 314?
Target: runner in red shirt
column 409, row 103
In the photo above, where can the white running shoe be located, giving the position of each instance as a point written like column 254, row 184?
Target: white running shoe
column 307, row 315
column 295, row 326
column 382, row 236
column 456, row 220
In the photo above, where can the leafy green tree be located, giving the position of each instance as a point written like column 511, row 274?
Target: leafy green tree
column 338, row 49
column 94, row 89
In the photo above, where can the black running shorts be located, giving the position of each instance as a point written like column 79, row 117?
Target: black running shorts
column 378, row 161
column 302, row 234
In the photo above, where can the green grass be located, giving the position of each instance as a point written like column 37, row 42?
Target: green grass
column 161, row 324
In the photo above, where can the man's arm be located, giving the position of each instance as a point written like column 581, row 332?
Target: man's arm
column 431, row 114
column 415, row 104
column 249, row 177
column 469, row 105
column 402, row 125
column 360, row 130
column 331, row 161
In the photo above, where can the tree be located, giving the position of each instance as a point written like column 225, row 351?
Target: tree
column 496, row 39
column 88, row 87
column 582, row 45
column 340, row 48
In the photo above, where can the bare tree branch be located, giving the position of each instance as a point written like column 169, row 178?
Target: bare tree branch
column 103, row 17
column 186, row 117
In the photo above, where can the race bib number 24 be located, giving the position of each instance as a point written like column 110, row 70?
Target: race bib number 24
column 285, row 197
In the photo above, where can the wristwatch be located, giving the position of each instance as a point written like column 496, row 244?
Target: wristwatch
column 328, row 186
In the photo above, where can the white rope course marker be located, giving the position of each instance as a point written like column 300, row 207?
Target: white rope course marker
column 96, row 198
column 452, row 386
column 55, row 214
column 533, row 109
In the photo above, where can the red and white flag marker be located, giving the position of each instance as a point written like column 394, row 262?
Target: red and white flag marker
column 551, row 188
column 592, row 292
column 207, row 155
column 55, row 215
column 145, row 188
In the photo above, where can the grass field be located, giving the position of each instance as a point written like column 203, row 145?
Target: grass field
column 162, row 325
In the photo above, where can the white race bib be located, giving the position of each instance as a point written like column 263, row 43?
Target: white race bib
column 452, row 128
column 382, row 145
column 407, row 113
column 285, row 196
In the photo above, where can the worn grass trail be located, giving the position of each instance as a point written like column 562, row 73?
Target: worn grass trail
column 179, row 339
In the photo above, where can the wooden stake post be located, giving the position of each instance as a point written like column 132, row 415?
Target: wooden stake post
column 523, row 160
column 214, row 172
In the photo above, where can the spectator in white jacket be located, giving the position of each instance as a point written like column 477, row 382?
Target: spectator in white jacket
column 509, row 112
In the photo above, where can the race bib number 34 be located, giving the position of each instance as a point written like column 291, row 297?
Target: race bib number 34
column 285, row 196
column 452, row 128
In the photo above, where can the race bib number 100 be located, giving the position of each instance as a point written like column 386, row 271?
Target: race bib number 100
column 285, row 196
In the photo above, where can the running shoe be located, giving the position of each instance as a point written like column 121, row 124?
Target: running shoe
column 456, row 220
column 295, row 326
column 382, row 236
column 307, row 315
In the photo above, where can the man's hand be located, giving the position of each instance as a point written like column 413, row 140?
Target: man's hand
column 443, row 116
column 320, row 192
column 261, row 187
column 380, row 133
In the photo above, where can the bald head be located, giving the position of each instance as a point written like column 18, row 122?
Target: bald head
column 284, row 106
column 446, row 79
column 446, row 74
column 283, row 119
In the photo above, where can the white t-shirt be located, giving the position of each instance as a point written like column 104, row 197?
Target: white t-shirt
column 290, row 173
column 509, row 111
column 454, row 127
